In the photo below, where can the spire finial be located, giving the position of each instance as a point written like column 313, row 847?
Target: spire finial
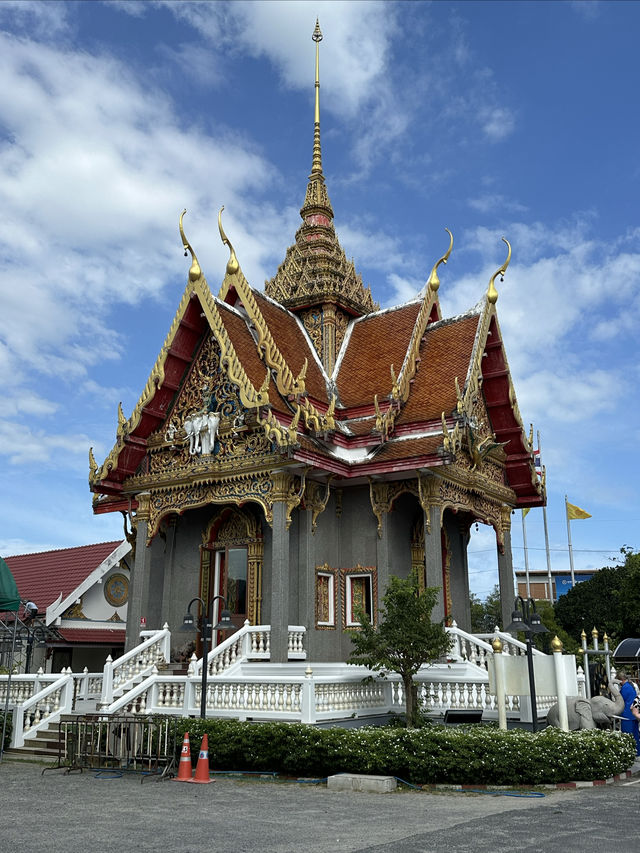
column 434, row 281
column 492, row 293
column 316, row 165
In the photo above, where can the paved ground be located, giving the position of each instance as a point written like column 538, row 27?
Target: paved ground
column 80, row 812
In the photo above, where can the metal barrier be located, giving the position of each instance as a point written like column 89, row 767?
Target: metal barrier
column 143, row 744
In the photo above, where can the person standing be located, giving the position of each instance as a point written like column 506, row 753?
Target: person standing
column 629, row 723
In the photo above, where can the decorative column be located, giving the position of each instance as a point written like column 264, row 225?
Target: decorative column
column 140, row 571
column 282, row 487
column 505, row 568
column 169, row 561
column 329, row 337
column 433, row 557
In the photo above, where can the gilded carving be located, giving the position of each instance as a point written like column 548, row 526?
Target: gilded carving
column 75, row 611
column 233, row 489
column 315, row 500
column 326, row 598
column 239, row 527
column 288, row 489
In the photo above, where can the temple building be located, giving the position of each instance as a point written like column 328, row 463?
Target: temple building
column 296, row 446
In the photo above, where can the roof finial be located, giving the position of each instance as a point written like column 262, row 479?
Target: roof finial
column 194, row 272
column 492, row 294
column 316, row 165
column 434, row 281
column 232, row 264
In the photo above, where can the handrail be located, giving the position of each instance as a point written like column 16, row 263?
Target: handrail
column 136, row 663
column 44, row 707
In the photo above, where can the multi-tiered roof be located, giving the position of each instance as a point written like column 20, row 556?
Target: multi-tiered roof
column 328, row 380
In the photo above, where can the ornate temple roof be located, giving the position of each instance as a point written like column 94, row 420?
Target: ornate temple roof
column 322, row 378
column 315, row 270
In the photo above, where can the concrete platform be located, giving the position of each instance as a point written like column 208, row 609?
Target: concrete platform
column 360, row 782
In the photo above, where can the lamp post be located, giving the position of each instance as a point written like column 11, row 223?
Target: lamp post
column 225, row 624
column 35, row 635
column 524, row 618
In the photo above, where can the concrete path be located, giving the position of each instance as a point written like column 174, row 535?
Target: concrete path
column 84, row 812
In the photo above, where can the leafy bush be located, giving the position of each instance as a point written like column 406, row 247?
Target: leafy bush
column 434, row 753
column 7, row 735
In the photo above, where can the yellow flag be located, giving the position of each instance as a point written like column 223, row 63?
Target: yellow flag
column 574, row 512
column 526, row 511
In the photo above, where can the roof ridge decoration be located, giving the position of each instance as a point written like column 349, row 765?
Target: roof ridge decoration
column 287, row 384
column 249, row 396
column 401, row 385
column 466, row 399
column 315, row 269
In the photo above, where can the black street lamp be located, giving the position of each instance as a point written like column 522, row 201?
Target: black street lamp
column 524, row 618
column 35, row 635
column 225, row 624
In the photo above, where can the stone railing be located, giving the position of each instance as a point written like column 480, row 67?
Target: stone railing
column 120, row 674
column 510, row 645
column 251, row 642
column 468, row 647
column 296, row 698
column 42, row 708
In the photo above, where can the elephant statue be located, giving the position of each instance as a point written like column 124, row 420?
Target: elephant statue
column 597, row 712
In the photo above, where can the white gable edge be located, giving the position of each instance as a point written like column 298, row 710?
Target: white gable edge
column 57, row 608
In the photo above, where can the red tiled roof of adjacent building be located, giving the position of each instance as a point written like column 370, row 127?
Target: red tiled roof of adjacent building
column 107, row 636
column 41, row 577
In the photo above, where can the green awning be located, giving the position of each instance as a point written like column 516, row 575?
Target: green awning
column 9, row 597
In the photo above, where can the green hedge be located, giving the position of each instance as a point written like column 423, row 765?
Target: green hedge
column 7, row 736
column 460, row 755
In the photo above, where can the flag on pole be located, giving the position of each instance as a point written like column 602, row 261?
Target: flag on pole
column 574, row 512
column 537, row 462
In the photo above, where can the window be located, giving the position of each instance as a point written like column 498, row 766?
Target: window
column 325, row 597
column 358, row 593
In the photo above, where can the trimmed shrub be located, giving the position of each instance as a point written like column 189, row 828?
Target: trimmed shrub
column 434, row 753
column 7, row 735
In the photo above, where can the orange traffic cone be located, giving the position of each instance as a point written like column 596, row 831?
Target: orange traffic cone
column 202, row 767
column 184, row 767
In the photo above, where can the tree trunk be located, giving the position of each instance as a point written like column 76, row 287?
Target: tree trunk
column 411, row 700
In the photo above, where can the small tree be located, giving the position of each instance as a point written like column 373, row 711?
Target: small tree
column 404, row 639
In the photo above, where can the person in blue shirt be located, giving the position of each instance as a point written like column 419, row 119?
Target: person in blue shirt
column 629, row 723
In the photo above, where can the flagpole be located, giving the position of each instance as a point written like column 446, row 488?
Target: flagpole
column 566, row 512
column 546, row 532
column 526, row 554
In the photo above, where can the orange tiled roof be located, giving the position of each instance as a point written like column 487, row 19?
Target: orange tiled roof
column 445, row 354
column 247, row 352
column 293, row 345
column 376, row 341
column 408, row 448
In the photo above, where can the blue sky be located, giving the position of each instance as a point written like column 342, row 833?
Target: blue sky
column 518, row 119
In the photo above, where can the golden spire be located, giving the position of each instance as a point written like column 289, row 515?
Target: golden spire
column 492, row 293
column 316, row 165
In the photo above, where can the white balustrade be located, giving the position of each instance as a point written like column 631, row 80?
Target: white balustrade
column 42, row 708
column 120, row 674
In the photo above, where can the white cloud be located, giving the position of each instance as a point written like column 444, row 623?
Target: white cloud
column 23, row 446
column 42, row 20
column 497, row 123
column 495, row 203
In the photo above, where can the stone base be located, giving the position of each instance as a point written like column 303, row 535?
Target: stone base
column 358, row 782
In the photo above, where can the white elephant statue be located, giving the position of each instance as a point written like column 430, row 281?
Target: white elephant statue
column 208, row 432
column 597, row 712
